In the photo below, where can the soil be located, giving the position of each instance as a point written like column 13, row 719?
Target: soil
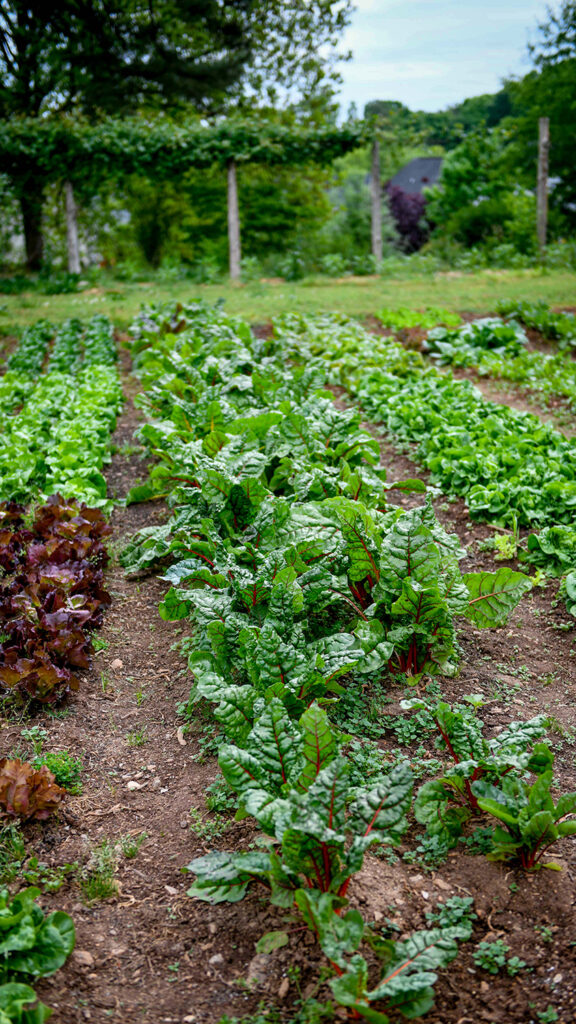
column 151, row 954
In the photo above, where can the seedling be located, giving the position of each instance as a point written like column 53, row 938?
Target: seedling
column 220, row 798
column 547, row 1016
column 137, row 737
column 206, row 828
column 48, row 879
column 131, row 845
column 492, row 956
column 12, row 853
column 37, row 736
column 96, row 880
column 458, row 910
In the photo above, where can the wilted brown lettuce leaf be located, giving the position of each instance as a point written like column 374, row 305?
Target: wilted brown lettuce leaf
column 26, row 792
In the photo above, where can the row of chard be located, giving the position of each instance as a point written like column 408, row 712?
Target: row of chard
column 298, row 573
column 511, row 468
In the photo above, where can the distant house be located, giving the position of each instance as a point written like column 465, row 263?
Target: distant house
column 420, row 173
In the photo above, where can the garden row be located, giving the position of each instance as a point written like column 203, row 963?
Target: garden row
column 56, row 424
column 557, row 327
column 511, row 468
column 497, row 349
column 300, row 577
column 59, row 398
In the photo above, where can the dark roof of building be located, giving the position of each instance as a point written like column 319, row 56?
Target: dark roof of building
column 420, row 173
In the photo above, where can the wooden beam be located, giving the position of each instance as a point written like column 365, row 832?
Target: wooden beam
column 376, row 189
column 235, row 254
column 72, row 230
column 542, row 190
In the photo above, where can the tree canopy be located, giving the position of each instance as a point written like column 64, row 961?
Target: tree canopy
column 94, row 57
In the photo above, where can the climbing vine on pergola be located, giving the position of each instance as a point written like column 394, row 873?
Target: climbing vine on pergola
column 55, row 149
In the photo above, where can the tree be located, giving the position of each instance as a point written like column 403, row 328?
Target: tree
column 557, row 42
column 408, row 211
column 90, row 57
column 550, row 91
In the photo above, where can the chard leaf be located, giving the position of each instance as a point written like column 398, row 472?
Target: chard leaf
column 411, row 970
column 319, row 745
column 376, row 649
column 408, row 552
column 381, row 812
column 335, row 654
column 361, row 537
column 234, row 704
column 225, row 877
column 493, row 595
column 241, row 769
column 278, row 745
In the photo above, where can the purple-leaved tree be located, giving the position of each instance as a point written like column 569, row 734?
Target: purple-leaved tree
column 408, row 212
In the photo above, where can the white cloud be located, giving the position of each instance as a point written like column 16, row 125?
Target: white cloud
column 431, row 53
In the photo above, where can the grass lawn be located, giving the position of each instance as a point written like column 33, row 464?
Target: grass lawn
column 258, row 301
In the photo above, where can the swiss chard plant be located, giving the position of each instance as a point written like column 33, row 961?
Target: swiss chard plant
column 409, row 971
column 295, row 784
column 292, row 780
column 529, row 819
column 444, row 804
column 297, row 572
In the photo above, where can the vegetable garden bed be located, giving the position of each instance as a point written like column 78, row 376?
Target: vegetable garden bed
column 149, row 952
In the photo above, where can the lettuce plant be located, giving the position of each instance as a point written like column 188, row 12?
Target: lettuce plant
column 31, row 943
column 500, row 460
column 466, row 345
column 51, row 596
column 19, row 1004
column 27, row 792
column 56, row 429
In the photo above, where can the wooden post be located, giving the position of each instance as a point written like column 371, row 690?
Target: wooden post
column 233, row 223
column 542, row 191
column 376, row 202
column 72, row 231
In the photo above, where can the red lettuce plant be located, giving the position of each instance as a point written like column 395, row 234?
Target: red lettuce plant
column 51, row 595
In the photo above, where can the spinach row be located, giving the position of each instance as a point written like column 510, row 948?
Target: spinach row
column 56, row 429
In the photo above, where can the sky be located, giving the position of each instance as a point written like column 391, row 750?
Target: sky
column 430, row 54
